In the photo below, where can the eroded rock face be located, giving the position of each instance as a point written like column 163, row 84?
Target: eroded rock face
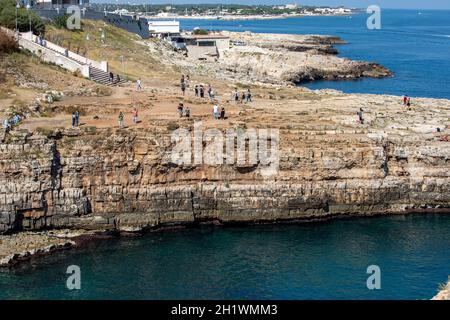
column 126, row 180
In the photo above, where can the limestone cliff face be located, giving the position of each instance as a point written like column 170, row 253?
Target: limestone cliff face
column 126, row 180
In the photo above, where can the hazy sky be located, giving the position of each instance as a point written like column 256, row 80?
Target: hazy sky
column 407, row 4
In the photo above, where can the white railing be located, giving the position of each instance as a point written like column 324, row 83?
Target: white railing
column 103, row 65
column 49, row 55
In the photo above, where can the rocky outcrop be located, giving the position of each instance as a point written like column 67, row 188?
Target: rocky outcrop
column 444, row 293
column 288, row 59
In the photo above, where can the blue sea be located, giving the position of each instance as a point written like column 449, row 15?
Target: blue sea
column 414, row 44
column 327, row 260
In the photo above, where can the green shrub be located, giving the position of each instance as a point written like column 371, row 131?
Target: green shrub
column 8, row 18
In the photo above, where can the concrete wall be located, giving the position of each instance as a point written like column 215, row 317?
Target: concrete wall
column 47, row 55
column 103, row 65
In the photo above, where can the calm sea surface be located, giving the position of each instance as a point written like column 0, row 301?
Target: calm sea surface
column 310, row 261
column 415, row 45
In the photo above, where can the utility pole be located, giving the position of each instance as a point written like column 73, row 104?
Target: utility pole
column 17, row 9
column 29, row 17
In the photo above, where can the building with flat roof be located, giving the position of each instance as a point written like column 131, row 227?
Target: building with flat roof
column 163, row 28
column 205, row 47
column 58, row 3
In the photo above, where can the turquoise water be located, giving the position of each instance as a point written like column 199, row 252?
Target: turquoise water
column 416, row 47
column 308, row 261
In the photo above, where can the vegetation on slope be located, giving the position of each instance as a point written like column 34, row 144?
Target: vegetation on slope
column 24, row 17
column 125, row 52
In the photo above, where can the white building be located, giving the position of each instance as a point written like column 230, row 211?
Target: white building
column 291, row 6
column 164, row 27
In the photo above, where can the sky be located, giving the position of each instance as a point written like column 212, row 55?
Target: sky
column 403, row 4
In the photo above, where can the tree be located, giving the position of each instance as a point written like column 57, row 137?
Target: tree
column 8, row 18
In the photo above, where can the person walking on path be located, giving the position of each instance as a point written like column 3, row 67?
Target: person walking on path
column 211, row 95
column 222, row 113
column 188, row 112
column 216, row 112
column 183, row 87
column 121, row 124
column 180, row 109
column 111, row 77
column 139, row 84
column 249, row 96
column 135, row 115
column 236, row 96
column 242, row 96
column 196, row 90
column 202, row 91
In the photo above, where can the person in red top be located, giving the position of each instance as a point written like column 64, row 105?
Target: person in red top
column 135, row 115
column 405, row 100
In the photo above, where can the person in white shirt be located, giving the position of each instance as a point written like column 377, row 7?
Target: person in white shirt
column 216, row 111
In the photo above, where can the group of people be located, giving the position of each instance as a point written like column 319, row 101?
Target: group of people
column 240, row 97
column 216, row 112
column 184, row 83
column 199, row 91
column 111, row 78
column 184, row 111
column 406, row 101
column 8, row 123
column 134, row 114
column 41, row 41
column 75, row 119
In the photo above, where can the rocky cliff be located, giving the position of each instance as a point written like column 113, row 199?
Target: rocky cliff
column 328, row 165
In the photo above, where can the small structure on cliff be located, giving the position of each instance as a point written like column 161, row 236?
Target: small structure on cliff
column 206, row 47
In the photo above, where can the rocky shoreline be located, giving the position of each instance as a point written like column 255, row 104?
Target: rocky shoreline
column 284, row 60
column 444, row 292
column 22, row 246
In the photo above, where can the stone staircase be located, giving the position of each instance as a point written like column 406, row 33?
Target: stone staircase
column 102, row 77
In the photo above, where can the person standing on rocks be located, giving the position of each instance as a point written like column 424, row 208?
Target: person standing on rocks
column 74, row 117
column 139, row 84
column 121, row 124
column 135, row 115
column 77, row 118
column 188, row 112
column 180, row 109
column 360, row 115
column 216, row 112
column 222, row 113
